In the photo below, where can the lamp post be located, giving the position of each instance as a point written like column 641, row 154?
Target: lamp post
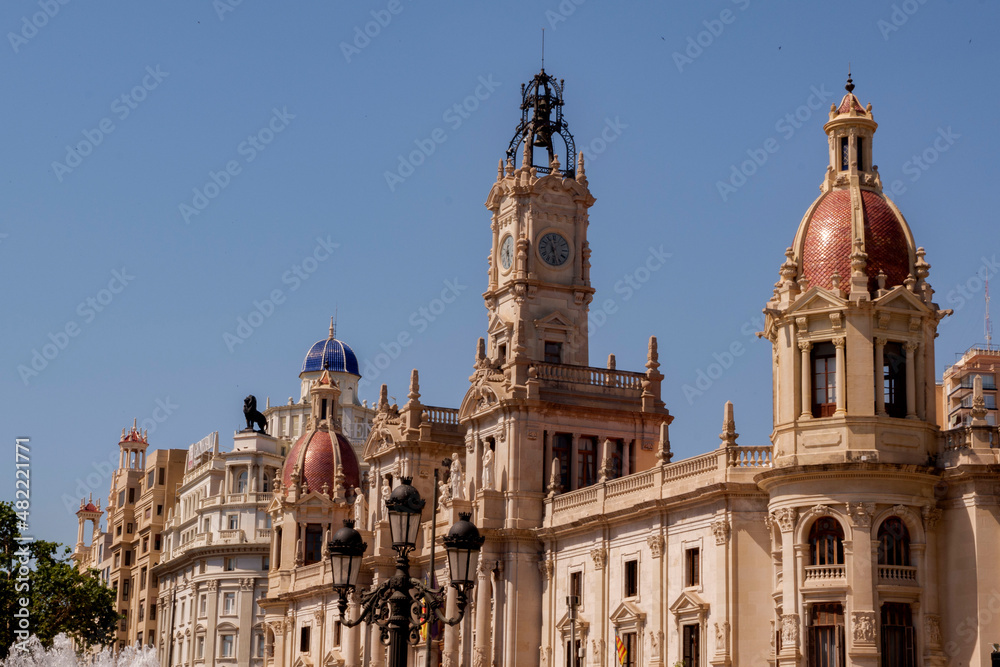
column 401, row 604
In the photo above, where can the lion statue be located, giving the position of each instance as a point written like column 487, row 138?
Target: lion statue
column 253, row 415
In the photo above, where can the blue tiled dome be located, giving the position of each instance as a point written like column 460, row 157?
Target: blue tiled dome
column 333, row 355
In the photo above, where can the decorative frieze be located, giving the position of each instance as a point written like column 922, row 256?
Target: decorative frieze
column 861, row 514
column 600, row 556
column 655, row 543
column 790, row 630
column 722, row 638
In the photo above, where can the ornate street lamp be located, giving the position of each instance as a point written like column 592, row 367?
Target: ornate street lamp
column 401, row 605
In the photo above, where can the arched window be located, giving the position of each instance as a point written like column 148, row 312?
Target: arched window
column 893, row 542
column 241, row 482
column 826, row 542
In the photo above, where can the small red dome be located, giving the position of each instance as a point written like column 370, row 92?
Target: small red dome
column 317, row 458
column 827, row 246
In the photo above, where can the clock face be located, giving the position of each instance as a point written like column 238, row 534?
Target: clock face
column 553, row 249
column 507, row 252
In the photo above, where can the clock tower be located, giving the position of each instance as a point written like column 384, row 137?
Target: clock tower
column 539, row 275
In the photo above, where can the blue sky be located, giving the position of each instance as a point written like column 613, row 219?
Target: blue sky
column 159, row 102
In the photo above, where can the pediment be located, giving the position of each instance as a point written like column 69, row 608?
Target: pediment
column 902, row 298
column 816, row 298
column 689, row 602
column 564, row 624
column 379, row 437
column 497, row 326
column 303, row 661
column 554, row 320
column 627, row 612
column 333, row 659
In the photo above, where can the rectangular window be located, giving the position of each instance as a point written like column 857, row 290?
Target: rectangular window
column 553, row 352
column 824, row 379
column 149, row 513
column 576, row 585
column 631, row 578
column 844, row 153
column 234, row 521
column 126, row 588
column 586, row 464
column 825, row 641
column 304, row 640
column 128, row 528
column 570, row 651
column 692, row 567
column 149, row 480
column 152, row 617
column 160, row 473
column 860, row 146
column 156, row 542
column 131, row 495
column 230, row 564
column 691, row 645
column 337, row 633
column 128, row 558
column 265, row 563
column 145, row 544
column 142, row 610
column 631, row 657
column 562, row 449
column 228, row 603
column 226, row 646
column 260, row 645
column 200, row 650
column 159, row 510
column 203, row 605
column 617, row 455
column 898, row 643
column 121, row 498
column 117, row 559
column 142, row 578
column 314, row 543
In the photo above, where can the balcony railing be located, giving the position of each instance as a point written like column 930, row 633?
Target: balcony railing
column 824, row 573
column 590, row 376
column 900, row 575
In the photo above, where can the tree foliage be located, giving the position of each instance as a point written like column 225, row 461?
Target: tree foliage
column 60, row 599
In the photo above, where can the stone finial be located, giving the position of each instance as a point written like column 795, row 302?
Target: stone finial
column 789, row 269
column 414, row 394
column 383, row 398
column 663, row 453
column 921, row 265
column 555, row 478
column 611, row 362
column 653, row 355
column 500, row 170
column 480, row 352
column 581, row 172
column 978, row 402
column 509, row 167
column 910, row 282
column 881, row 278
column 729, row 434
column 835, row 280
column 554, row 165
column 526, row 154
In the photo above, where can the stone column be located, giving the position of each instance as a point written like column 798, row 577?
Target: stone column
column 243, row 649
column 911, row 381
column 862, row 618
column 918, row 380
column 840, row 344
column 483, row 650
column 790, row 622
column 213, row 619
column 806, row 381
column 929, row 573
column 880, row 376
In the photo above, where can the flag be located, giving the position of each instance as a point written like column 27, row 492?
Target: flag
column 620, row 650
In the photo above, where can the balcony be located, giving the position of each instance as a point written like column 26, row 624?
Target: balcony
column 897, row 575
column 825, row 575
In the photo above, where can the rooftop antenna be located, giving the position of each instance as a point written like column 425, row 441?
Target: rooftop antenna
column 989, row 324
column 543, row 49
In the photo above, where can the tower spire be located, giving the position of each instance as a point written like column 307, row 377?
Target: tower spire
column 543, row 49
column 850, row 83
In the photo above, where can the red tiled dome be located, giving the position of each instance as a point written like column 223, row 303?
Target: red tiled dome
column 850, row 102
column 318, row 457
column 827, row 245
